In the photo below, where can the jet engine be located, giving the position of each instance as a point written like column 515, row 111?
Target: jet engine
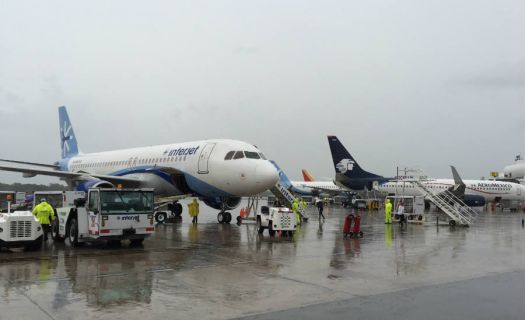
column 229, row 203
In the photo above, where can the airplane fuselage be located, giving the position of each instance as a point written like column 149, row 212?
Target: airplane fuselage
column 490, row 190
column 201, row 163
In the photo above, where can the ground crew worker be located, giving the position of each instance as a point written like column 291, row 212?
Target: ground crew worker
column 295, row 209
column 193, row 208
column 320, row 208
column 401, row 213
column 304, row 205
column 45, row 214
column 388, row 212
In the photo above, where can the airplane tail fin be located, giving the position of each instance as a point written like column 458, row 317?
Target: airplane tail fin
column 307, row 176
column 68, row 140
column 283, row 178
column 344, row 163
column 455, row 174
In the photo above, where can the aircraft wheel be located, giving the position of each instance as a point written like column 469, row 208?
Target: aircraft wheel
column 220, row 217
column 227, row 217
column 160, row 217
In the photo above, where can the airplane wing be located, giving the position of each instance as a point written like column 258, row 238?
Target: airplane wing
column 33, row 169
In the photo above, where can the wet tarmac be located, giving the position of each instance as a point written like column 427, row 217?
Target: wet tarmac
column 211, row 271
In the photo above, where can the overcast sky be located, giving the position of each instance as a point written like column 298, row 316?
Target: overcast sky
column 410, row 83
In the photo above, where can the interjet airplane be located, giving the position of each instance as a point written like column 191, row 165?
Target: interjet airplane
column 218, row 171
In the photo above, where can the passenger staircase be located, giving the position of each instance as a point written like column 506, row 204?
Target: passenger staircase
column 286, row 198
column 455, row 208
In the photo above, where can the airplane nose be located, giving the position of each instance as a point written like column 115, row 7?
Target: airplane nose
column 266, row 176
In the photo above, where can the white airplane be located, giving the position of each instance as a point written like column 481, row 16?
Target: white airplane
column 308, row 188
column 218, row 171
column 476, row 192
column 515, row 170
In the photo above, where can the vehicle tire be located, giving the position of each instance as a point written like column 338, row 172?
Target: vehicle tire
column 136, row 242
column 260, row 228
column 177, row 209
column 113, row 243
column 452, row 223
column 361, row 234
column 161, row 217
column 239, row 220
column 270, row 229
column 227, row 217
column 55, row 235
column 220, row 217
column 36, row 245
column 73, row 232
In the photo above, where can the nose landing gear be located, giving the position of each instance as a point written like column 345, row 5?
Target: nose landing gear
column 224, row 217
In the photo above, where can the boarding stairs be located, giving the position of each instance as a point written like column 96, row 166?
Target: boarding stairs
column 286, row 198
column 455, row 208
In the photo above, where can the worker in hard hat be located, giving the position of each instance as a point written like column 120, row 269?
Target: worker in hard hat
column 193, row 209
column 296, row 210
column 388, row 212
column 45, row 214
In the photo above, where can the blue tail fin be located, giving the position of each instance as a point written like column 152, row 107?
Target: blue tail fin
column 344, row 163
column 68, row 140
column 283, row 178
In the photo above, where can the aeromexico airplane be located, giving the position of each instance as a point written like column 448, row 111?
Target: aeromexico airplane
column 477, row 192
column 218, row 171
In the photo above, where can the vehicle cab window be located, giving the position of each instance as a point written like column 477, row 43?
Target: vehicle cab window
column 238, row 155
column 93, row 201
column 229, row 155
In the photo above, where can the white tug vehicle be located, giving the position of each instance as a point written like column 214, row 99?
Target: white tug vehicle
column 20, row 229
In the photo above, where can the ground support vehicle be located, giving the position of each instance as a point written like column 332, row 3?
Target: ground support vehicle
column 20, row 229
column 107, row 214
column 276, row 219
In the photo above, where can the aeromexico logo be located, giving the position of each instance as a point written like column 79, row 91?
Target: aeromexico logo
column 181, row 151
column 345, row 165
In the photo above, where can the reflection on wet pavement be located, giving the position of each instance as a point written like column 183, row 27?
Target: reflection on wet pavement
column 216, row 271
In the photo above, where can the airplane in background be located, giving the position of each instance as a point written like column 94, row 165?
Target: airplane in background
column 308, row 188
column 218, row 171
column 348, row 172
column 476, row 192
column 515, row 170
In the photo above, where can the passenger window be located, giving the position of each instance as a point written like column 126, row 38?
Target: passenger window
column 229, row 155
column 238, row 155
column 252, row 155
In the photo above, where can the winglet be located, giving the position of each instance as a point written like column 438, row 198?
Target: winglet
column 307, row 176
column 68, row 140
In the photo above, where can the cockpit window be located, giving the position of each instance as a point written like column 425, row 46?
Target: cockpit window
column 262, row 156
column 238, row 155
column 229, row 155
column 252, row 155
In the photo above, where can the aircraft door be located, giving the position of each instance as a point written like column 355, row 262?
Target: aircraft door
column 204, row 158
